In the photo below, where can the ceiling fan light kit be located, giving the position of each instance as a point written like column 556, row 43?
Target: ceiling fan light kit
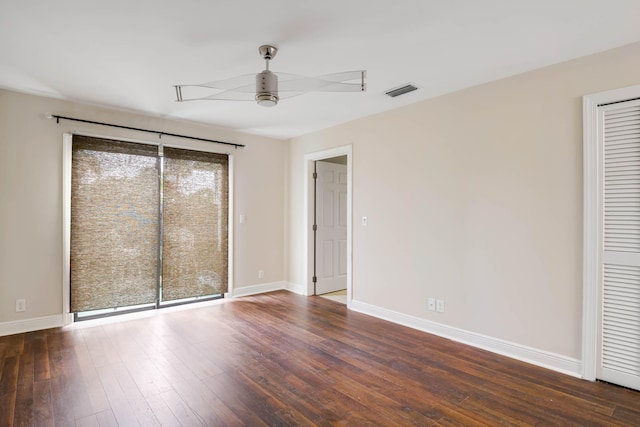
column 270, row 87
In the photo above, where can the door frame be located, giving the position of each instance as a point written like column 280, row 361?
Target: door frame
column 308, row 250
column 592, row 221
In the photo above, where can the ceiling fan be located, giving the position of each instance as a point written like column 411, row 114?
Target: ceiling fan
column 268, row 87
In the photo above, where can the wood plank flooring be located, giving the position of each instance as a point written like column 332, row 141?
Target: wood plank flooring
column 281, row 359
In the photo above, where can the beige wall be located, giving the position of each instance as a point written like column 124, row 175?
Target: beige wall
column 476, row 198
column 473, row 197
column 31, row 196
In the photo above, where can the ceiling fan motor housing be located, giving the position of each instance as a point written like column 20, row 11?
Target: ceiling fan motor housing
column 267, row 88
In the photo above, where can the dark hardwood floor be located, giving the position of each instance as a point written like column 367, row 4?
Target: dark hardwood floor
column 283, row 359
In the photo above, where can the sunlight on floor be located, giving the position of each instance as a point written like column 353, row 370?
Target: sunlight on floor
column 338, row 296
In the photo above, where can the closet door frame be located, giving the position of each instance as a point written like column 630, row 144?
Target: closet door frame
column 592, row 220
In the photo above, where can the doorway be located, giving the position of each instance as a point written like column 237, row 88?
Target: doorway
column 329, row 247
column 330, row 228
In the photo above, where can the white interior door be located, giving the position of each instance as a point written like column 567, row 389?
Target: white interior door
column 331, row 221
column 619, row 293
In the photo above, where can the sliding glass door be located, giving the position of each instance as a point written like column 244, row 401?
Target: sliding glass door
column 194, row 224
column 149, row 226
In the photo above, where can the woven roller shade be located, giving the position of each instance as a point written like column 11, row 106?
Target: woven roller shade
column 195, row 224
column 114, row 224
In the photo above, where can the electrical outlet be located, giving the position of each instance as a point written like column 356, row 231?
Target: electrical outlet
column 440, row 306
column 260, row 274
column 431, row 304
column 21, row 305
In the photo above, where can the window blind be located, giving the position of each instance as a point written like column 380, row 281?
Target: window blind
column 114, row 224
column 195, row 231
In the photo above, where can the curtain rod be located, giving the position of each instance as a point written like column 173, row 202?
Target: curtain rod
column 58, row 118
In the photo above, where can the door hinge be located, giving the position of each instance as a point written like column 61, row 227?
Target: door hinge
column 315, row 279
column 315, row 175
column 315, row 227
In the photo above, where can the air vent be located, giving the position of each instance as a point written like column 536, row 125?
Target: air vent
column 401, row 90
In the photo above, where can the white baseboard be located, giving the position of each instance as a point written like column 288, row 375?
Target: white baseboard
column 29, row 325
column 258, row 289
column 296, row 288
column 58, row 320
column 268, row 287
column 545, row 359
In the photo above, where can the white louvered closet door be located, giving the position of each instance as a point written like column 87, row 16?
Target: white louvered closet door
column 619, row 335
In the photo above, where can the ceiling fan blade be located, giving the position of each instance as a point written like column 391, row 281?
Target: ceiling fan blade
column 240, row 88
column 287, row 95
column 349, row 81
column 239, row 83
column 201, row 93
column 244, row 83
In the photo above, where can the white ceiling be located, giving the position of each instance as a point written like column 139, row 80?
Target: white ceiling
column 129, row 53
